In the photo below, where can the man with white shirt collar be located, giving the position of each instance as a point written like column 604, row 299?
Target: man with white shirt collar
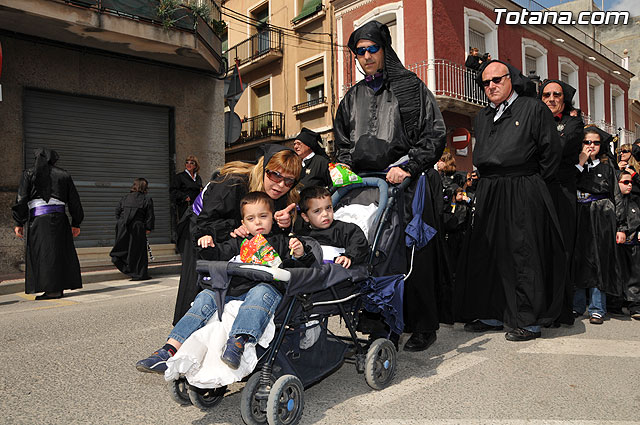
column 315, row 164
column 515, row 266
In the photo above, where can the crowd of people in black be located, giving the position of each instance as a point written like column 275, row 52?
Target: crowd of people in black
column 545, row 228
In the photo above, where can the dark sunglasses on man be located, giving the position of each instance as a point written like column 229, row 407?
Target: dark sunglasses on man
column 547, row 94
column 496, row 80
column 276, row 177
column 360, row 51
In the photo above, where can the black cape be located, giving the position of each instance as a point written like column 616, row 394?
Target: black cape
column 135, row 216
column 594, row 262
column 629, row 252
column 51, row 260
column 342, row 235
column 563, row 193
column 315, row 172
column 516, row 263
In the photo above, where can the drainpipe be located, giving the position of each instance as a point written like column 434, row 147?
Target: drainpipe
column 431, row 70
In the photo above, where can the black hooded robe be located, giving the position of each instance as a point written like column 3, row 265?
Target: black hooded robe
column 516, row 263
column 372, row 130
column 315, row 172
column 51, row 260
column 629, row 253
column 135, row 216
column 594, row 263
column 183, row 187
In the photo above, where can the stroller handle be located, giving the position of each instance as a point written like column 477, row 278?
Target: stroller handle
column 250, row 271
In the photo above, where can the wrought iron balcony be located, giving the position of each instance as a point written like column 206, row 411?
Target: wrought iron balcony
column 309, row 104
column 263, row 47
column 262, row 126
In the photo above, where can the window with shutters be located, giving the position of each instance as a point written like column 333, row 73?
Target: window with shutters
column 476, row 39
column 311, row 92
column 481, row 32
column 568, row 71
column 596, row 97
column 306, row 9
column 534, row 58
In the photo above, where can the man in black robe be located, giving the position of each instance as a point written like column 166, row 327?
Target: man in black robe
column 51, row 260
column 558, row 96
column 315, row 164
column 390, row 122
column 515, row 273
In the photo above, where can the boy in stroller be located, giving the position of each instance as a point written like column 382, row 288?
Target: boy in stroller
column 259, row 300
column 343, row 243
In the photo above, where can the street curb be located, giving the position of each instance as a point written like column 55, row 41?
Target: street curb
column 14, row 286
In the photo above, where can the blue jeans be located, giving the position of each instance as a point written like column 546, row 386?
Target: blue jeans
column 494, row 322
column 259, row 304
column 598, row 303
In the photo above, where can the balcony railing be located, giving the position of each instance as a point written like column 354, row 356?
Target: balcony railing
column 625, row 136
column 262, row 126
column 309, row 104
column 452, row 80
column 265, row 41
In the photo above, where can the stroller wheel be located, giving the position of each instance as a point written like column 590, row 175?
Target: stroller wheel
column 380, row 366
column 252, row 408
column 205, row 398
column 286, row 401
column 178, row 391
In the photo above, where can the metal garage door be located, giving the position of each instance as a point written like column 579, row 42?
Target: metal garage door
column 104, row 145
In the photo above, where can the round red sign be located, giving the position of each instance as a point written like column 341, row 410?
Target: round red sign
column 460, row 138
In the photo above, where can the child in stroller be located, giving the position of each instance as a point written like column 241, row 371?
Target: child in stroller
column 260, row 300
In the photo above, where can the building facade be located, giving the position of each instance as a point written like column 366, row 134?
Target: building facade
column 601, row 79
column 284, row 53
column 121, row 92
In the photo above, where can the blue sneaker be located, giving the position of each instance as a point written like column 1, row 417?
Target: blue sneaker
column 233, row 352
column 155, row 363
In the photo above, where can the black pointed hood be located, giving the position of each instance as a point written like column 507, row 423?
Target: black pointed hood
column 268, row 150
column 567, row 90
column 45, row 158
column 311, row 139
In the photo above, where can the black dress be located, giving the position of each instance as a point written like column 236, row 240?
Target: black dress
column 135, row 216
column 563, row 193
column 594, row 262
column 315, row 172
column 516, row 263
column 51, row 260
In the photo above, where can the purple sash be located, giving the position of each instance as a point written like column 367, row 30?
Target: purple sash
column 46, row 209
column 591, row 198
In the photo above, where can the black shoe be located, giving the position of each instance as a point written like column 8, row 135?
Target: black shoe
column 138, row 279
column 420, row 341
column 520, row 334
column 478, row 326
column 50, row 296
column 576, row 314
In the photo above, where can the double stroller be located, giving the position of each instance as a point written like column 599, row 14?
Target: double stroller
column 274, row 392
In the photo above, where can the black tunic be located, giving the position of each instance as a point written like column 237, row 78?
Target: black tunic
column 342, row 235
column 629, row 252
column 516, row 261
column 563, row 193
column 228, row 249
column 135, row 216
column 594, row 262
column 51, row 260
column 315, row 172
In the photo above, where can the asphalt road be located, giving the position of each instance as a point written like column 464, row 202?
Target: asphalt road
column 72, row 361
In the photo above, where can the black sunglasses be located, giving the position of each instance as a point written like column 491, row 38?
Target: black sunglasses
column 589, row 142
column 360, row 51
column 190, row 162
column 496, row 80
column 548, row 94
column 626, row 181
column 276, row 177
column 625, row 151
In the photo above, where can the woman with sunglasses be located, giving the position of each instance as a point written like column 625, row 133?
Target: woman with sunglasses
column 594, row 264
column 185, row 187
column 629, row 249
column 216, row 213
column 628, row 162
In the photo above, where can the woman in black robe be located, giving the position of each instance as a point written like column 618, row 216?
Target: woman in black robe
column 629, row 249
column 558, row 96
column 215, row 216
column 136, row 220
column 595, row 268
column 185, row 187
column 51, row 260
